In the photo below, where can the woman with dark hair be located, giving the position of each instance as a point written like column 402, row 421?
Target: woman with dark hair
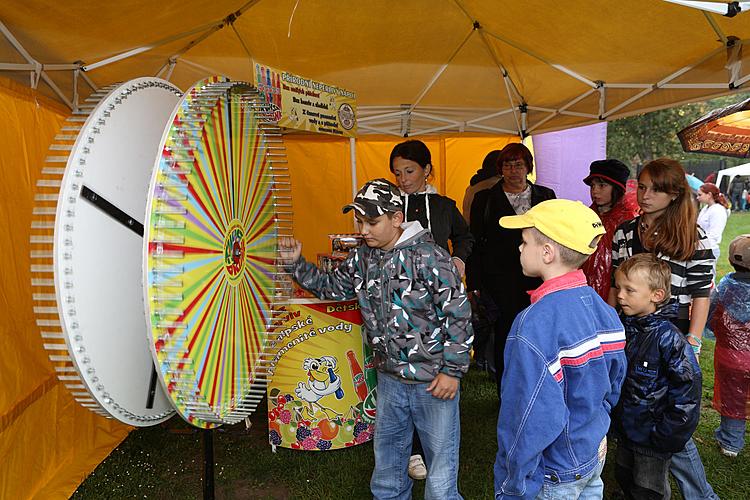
column 607, row 179
column 667, row 228
column 411, row 164
column 494, row 272
column 713, row 216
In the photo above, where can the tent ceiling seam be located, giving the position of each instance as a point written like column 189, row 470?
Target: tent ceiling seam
column 507, row 80
column 210, row 28
column 145, row 48
column 440, row 71
column 201, row 67
column 558, row 67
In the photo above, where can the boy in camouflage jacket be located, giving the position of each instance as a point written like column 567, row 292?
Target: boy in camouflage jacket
column 417, row 319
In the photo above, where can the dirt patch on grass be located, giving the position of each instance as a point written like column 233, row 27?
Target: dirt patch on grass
column 246, row 490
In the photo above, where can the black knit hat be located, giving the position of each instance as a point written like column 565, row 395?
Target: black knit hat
column 613, row 171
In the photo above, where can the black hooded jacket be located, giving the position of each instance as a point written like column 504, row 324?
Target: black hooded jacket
column 659, row 405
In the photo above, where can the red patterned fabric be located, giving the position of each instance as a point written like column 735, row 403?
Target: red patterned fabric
column 598, row 267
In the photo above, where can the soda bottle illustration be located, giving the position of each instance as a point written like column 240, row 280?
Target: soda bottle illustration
column 371, row 374
column 339, row 392
column 371, row 380
column 358, row 376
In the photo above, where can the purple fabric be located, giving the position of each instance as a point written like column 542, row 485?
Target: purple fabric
column 562, row 159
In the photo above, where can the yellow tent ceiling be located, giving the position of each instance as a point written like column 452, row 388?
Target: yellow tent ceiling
column 417, row 66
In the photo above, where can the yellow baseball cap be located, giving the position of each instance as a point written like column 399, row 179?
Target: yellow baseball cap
column 569, row 223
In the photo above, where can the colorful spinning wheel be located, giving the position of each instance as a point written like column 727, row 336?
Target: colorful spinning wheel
column 218, row 200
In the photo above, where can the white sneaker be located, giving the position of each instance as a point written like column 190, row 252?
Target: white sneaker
column 417, row 468
column 724, row 451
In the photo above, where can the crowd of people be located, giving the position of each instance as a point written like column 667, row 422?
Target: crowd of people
column 591, row 319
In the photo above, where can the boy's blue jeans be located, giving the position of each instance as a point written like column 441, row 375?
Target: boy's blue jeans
column 688, row 471
column 590, row 487
column 731, row 434
column 400, row 408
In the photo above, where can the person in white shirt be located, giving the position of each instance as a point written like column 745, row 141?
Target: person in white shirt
column 713, row 216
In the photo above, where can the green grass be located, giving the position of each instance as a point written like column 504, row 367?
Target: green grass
column 738, row 223
column 166, row 461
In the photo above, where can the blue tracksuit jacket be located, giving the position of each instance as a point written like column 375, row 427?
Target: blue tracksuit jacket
column 564, row 366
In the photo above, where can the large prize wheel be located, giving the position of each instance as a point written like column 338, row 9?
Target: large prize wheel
column 219, row 198
column 86, row 242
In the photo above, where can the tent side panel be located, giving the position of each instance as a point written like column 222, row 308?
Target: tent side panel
column 48, row 443
column 321, row 186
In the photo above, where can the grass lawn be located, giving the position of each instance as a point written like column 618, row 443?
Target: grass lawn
column 738, row 223
column 166, row 461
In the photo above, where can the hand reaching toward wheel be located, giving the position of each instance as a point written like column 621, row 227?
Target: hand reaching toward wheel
column 289, row 250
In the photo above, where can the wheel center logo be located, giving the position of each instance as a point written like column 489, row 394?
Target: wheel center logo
column 234, row 251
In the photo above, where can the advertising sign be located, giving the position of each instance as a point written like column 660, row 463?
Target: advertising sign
column 323, row 382
column 304, row 104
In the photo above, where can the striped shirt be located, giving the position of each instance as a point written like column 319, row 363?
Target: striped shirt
column 690, row 279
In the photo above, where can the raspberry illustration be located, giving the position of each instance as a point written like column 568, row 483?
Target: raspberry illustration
column 285, row 417
column 360, row 427
column 362, row 437
column 309, row 443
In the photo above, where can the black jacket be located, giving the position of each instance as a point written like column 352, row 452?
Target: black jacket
column 446, row 222
column 659, row 405
column 496, row 248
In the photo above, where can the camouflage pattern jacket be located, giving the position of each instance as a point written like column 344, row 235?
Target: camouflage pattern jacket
column 414, row 306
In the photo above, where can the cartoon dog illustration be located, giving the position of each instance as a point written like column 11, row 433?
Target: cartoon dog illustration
column 322, row 380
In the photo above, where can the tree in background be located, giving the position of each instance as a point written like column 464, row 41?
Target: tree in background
column 638, row 139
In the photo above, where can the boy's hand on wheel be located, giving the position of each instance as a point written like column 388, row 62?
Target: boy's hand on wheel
column 289, row 250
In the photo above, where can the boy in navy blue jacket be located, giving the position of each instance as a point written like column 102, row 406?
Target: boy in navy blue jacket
column 564, row 363
column 660, row 403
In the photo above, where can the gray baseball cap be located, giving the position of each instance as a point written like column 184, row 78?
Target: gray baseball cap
column 739, row 251
column 377, row 197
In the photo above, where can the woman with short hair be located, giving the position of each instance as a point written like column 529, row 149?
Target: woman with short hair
column 494, row 272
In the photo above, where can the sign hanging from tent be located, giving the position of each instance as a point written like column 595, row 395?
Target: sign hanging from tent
column 304, row 104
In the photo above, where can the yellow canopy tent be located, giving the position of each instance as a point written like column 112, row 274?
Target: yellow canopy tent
column 477, row 71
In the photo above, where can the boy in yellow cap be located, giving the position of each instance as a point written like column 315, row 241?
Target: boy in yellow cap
column 564, row 363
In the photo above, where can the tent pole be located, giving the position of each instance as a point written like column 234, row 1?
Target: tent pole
column 76, row 72
column 558, row 111
column 89, row 82
column 379, row 130
column 558, row 67
column 208, row 464
column 353, row 169
column 715, row 26
column 440, row 71
column 172, row 64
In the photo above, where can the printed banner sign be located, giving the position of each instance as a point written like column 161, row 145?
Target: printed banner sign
column 304, row 104
column 322, row 389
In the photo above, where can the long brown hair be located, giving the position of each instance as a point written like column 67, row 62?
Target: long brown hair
column 675, row 232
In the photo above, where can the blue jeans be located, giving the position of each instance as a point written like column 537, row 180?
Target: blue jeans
column 590, row 487
column 731, row 434
column 401, row 408
column 690, row 475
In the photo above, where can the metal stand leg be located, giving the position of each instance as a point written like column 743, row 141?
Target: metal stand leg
column 208, row 464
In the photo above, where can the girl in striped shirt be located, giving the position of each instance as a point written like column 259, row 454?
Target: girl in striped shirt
column 668, row 228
